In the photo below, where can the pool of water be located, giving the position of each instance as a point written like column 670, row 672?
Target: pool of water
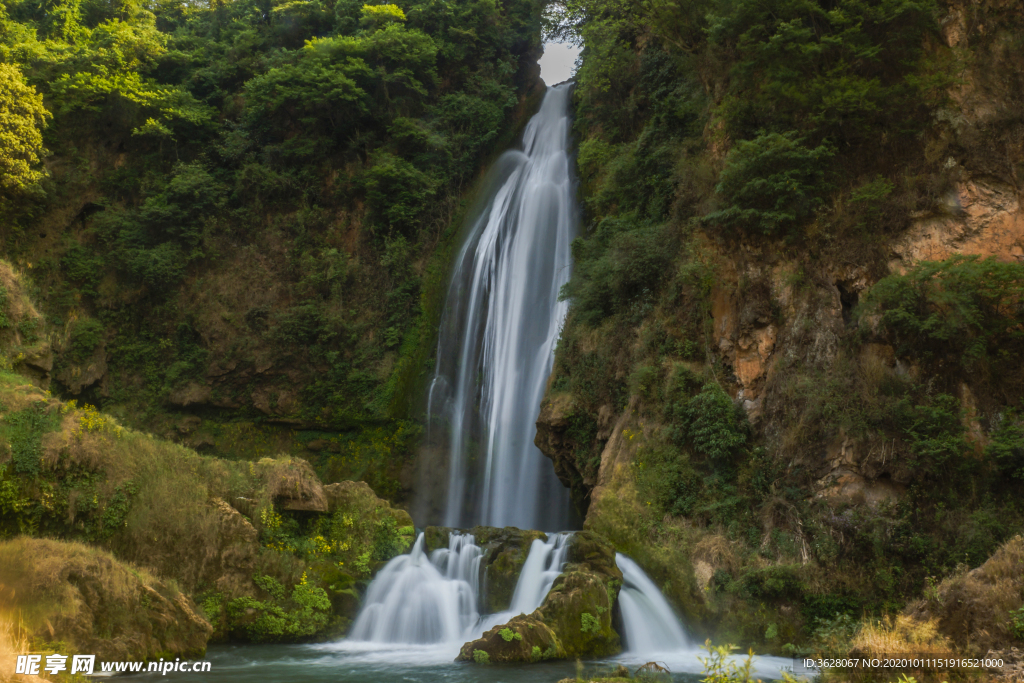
column 351, row 662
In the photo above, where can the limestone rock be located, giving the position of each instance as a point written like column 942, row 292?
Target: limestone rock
column 529, row 640
column 552, row 440
column 293, row 484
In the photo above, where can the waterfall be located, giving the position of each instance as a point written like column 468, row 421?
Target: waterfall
column 542, row 567
column 649, row 625
column 411, row 601
column 498, row 332
column 416, row 600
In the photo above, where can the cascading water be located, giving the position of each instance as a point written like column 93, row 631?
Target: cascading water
column 498, row 334
column 419, row 601
column 649, row 624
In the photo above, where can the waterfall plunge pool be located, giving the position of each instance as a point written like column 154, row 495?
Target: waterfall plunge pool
column 434, row 601
column 350, row 662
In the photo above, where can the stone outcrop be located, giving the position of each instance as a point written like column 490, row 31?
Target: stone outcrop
column 575, row 619
column 92, row 603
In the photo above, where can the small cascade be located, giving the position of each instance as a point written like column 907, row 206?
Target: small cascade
column 542, row 567
column 416, row 600
column 649, row 624
column 412, row 602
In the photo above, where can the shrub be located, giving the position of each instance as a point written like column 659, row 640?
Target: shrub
column 508, row 635
column 711, row 424
column 962, row 310
column 771, row 183
column 589, row 623
column 481, row 657
column 772, row 583
column 1017, row 623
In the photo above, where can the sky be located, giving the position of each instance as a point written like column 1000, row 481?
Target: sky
column 558, row 62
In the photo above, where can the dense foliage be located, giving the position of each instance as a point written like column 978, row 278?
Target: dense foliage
column 269, row 186
column 734, row 155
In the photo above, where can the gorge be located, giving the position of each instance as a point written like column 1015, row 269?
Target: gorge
column 334, row 340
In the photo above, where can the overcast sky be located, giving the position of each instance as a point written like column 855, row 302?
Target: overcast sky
column 557, row 63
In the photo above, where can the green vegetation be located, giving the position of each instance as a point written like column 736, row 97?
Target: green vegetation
column 963, row 311
column 481, row 657
column 508, row 635
column 73, row 473
column 746, row 170
column 22, row 118
column 251, row 205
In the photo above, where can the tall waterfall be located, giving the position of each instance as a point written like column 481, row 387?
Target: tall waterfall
column 649, row 624
column 419, row 601
column 498, row 334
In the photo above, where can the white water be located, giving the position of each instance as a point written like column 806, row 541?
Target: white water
column 498, row 334
column 649, row 625
column 416, row 600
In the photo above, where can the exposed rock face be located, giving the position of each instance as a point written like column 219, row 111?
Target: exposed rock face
column 984, row 218
column 575, row 619
column 553, row 441
column 973, row 608
column 96, row 604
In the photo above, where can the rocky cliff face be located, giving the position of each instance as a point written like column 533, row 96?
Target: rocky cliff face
column 784, row 331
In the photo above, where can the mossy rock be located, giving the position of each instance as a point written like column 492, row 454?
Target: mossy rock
column 577, row 611
column 505, row 552
column 436, row 537
column 526, row 638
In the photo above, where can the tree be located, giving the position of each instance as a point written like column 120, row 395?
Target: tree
column 22, row 118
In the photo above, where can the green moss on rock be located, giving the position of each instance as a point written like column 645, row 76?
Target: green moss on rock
column 576, row 617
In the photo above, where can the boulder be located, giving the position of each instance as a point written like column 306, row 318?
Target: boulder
column 293, row 484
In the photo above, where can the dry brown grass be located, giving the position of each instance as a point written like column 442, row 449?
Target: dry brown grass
column 717, row 551
column 91, row 602
column 973, row 608
column 13, row 642
column 900, row 636
column 293, row 481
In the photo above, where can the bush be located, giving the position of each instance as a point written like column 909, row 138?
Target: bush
column 963, row 310
column 624, row 261
column 771, row 184
column 772, row 583
column 711, row 424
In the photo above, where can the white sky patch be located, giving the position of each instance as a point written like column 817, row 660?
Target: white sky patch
column 558, row 62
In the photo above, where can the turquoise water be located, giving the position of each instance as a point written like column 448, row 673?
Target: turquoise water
column 346, row 662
